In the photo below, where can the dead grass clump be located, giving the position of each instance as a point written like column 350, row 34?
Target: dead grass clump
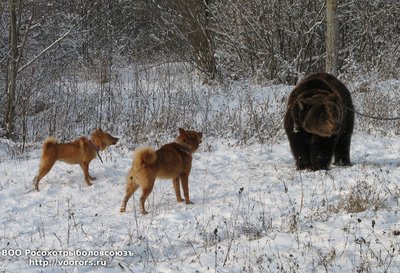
column 362, row 197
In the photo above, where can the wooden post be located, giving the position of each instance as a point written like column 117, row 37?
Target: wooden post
column 331, row 37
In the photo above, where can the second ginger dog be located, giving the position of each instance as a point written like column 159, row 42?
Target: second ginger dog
column 171, row 161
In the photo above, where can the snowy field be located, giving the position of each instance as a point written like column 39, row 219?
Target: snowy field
column 252, row 212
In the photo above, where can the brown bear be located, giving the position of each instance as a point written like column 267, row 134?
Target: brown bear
column 319, row 121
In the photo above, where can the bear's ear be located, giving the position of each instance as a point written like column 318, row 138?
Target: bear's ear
column 303, row 104
column 334, row 97
column 300, row 103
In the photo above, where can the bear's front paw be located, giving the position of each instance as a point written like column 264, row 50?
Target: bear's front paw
column 302, row 165
column 342, row 162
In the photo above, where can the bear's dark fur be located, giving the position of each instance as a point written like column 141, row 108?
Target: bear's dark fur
column 319, row 121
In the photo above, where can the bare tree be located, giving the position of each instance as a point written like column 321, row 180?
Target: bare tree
column 20, row 26
column 189, row 20
column 12, row 70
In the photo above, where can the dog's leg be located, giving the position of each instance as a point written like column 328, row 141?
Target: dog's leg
column 131, row 187
column 45, row 167
column 145, row 193
column 177, row 189
column 90, row 177
column 185, row 186
column 85, row 169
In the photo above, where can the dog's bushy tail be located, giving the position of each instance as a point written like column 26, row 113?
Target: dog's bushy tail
column 144, row 156
column 49, row 141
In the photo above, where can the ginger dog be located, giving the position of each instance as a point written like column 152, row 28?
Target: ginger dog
column 80, row 151
column 171, row 161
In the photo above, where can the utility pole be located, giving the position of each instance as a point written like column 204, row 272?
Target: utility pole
column 331, row 60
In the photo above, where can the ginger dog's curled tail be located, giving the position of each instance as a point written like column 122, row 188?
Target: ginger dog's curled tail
column 48, row 141
column 144, row 156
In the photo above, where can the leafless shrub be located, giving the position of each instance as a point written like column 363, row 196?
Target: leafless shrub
column 378, row 103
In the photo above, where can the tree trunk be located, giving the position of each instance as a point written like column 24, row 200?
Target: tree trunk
column 331, row 38
column 12, row 73
column 212, row 67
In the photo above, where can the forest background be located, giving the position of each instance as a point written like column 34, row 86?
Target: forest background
column 77, row 64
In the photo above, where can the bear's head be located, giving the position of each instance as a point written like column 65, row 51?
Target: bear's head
column 319, row 112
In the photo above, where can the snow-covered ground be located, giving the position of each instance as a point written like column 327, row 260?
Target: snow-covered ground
column 252, row 212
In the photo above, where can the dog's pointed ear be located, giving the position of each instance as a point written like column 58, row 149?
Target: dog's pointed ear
column 99, row 129
column 200, row 134
column 181, row 131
